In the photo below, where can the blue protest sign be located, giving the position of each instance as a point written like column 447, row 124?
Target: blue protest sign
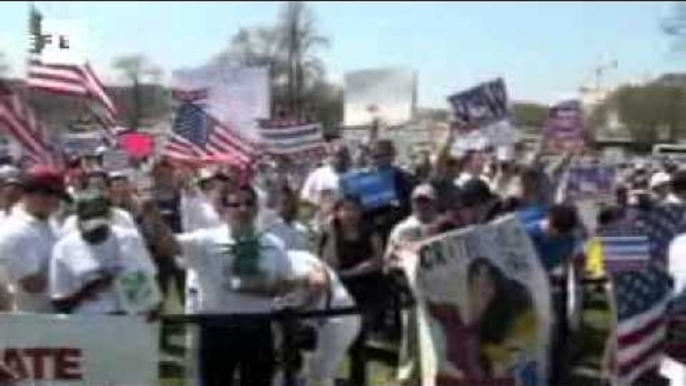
column 374, row 188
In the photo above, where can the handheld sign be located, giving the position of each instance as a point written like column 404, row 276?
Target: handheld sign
column 374, row 188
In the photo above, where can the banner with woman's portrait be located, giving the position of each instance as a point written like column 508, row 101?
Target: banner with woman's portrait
column 484, row 306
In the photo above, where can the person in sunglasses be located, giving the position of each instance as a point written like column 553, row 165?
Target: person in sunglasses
column 239, row 270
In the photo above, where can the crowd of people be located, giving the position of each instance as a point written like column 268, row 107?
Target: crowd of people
column 232, row 243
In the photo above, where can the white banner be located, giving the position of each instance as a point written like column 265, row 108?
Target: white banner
column 483, row 308
column 388, row 94
column 60, row 350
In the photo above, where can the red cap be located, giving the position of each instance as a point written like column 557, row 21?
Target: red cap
column 41, row 178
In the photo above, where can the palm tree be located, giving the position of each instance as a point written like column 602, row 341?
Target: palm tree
column 298, row 40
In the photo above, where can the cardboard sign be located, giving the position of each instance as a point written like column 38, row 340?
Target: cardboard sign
column 565, row 126
column 484, row 308
column 485, row 108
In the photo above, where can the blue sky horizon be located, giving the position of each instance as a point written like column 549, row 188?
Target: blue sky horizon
column 544, row 51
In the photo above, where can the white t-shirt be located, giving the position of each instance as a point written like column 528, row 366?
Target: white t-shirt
column 197, row 212
column 304, row 263
column 293, row 235
column 676, row 256
column 321, row 180
column 25, row 248
column 207, row 251
column 75, row 263
column 120, row 218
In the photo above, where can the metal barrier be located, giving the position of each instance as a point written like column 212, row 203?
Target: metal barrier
column 287, row 321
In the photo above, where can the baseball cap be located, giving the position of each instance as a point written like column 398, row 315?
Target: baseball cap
column 424, row 190
column 659, row 178
column 45, row 179
column 10, row 175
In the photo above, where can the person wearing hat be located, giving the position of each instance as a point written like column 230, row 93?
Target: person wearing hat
column 10, row 189
column 659, row 186
column 415, row 227
column 99, row 180
column 94, row 271
column 27, row 238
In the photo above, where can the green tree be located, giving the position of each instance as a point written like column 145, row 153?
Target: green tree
column 298, row 41
column 650, row 110
column 136, row 70
column 529, row 115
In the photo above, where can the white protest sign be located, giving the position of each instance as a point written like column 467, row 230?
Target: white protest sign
column 65, row 41
column 60, row 350
column 484, row 303
column 115, row 160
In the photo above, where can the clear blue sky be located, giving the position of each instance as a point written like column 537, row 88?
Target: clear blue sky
column 544, row 50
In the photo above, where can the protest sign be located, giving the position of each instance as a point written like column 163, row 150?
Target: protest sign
column 485, row 109
column 374, row 188
column 388, row 94
column 77, row 350
column 565, row 127
column 483, row 308
column 587, row 182
column 115, row 159
column 137, row 292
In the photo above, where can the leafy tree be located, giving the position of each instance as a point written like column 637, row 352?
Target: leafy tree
column 650, row 110
column 529, row 115
column 137, row 70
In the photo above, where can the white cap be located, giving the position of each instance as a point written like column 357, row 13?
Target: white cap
column 9, row 172
column 659, row 178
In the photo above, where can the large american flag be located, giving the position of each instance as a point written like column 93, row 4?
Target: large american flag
column 292, row 137
column 74, row 79
column 19, row 121
column 197, row 137
column 641, row 297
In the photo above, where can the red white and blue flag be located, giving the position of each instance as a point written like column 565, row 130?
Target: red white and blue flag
column 19, row 121
column 292, row 137
column 78, row 80
column 198, row 137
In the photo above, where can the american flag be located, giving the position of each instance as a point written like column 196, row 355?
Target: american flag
column 624, row 248
column 19, row 121
column 197, row 137
column 74, row 79
column 292, row 137
column 641, row 297
column 662, row 225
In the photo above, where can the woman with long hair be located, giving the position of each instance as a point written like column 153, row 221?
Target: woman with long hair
column 354, row 250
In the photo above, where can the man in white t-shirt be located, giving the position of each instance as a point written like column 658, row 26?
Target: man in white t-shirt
column 322, row 186
column 239, row 271
column 27, row 239
column 102, row 268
